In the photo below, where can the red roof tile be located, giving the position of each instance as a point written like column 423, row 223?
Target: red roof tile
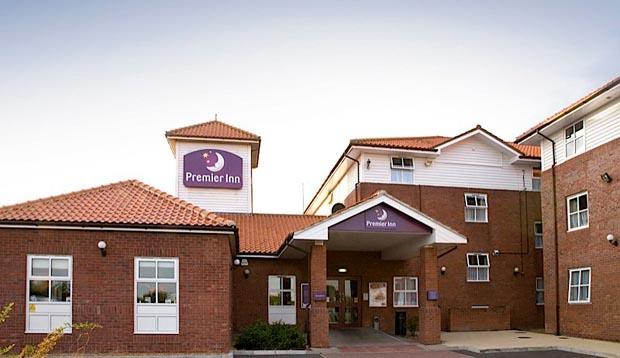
column 213, row 129
column 127, row 203
column 265, row 233
column 573, row 106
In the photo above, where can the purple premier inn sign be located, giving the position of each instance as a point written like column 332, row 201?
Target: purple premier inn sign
column 212, row 168
column 382, row 218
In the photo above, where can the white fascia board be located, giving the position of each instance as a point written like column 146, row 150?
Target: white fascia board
column 518, row 160
column 504, row 146
column 412, row 152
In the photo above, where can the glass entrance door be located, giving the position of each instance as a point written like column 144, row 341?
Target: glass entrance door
column 343, row 302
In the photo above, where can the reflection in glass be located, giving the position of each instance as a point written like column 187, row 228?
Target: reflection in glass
column 333, row 292
column 40, row 267
column 61, row 291
column 351, row 315
column 165, row 269
column 333, row 314
column 60, row 267
column 39, row 291
column 146, row 292
column 167, row 292
column 146, row 269
column 274, row 298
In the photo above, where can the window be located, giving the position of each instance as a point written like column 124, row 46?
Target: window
column 476, row 208
column 538, row 235
column 478, row 267
column 282, row 299
column 579, row 285
column 48, row 293
column 402, row 170
column 540, row 291
column 535, row 183
column 575, row 139
column 577, row 211
column 405, row 292
column 157, row 293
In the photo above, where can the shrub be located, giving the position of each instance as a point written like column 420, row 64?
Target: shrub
column 412, row 325
column 264, row 336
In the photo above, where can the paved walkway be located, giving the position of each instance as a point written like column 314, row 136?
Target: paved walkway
column 519, row 340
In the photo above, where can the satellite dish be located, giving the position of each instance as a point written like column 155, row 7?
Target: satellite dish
column 337, row 207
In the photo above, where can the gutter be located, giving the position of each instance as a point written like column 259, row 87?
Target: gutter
column 555, row 236
column 103, row 228
column 357, row 185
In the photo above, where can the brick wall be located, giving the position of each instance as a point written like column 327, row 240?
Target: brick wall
column 479, row 319
column 586, row 247
column 103, row 287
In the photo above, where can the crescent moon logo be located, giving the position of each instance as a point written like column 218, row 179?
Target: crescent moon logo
column 219, row 164
column 383, row 215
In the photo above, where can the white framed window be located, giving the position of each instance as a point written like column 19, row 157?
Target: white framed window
column 402, row 170
column 48, row 293
column 577, row 208
column 535, row 183
column 575, row 138
column 281, row 297
column 579, row 285
column 156, row 295
column 538, row 235
column 476, row 208
column 405, row 291
column 540, row 291
column 478, row 267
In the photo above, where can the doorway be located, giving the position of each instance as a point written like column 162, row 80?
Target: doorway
column 343, row 302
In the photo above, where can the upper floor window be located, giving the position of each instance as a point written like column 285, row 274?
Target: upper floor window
column 405, row 292
column 540, row 291
column 577, row 211
column 402, row 170
column 478, row 267
column 476, row 208
column 538, row 235
column 575, row 139
column 579, row 285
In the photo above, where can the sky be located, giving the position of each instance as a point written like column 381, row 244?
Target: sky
column 88, row 88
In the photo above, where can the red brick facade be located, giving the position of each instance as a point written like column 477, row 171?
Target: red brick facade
column 586, row 247
column 103, row 287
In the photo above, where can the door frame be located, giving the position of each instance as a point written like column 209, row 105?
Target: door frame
column 341, row 305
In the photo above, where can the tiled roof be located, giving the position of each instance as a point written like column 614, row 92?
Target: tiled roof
column 127, row 203
column 573, row 106
column 430, row 143
column 265, row 233
column 213, row 129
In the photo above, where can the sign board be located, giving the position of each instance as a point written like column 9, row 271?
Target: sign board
column 319, row 296
column 377, row 292
column 432, row 295
column 382, row 218
column 212, row 168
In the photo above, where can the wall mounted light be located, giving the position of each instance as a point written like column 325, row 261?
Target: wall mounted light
column 443, row 270
column 342, row 269
column 246, row 273
column 606, row 177
column 428, row 162
column 236, row 262
column 516, row 270
column 496, row 252
column 612, row 240
column 368, row 163
column 102, row 246
column 244, row 262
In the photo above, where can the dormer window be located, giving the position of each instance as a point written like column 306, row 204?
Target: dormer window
column 402, row 170
column 575, row 139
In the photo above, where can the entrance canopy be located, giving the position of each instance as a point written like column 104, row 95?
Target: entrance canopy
column 380, row 223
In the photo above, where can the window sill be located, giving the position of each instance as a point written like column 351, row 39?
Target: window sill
column 540, row 304
column 413, row 306
column 579, row 303
column 477, row 222
column 487, row 281
column 156, row 333
column 578, row 228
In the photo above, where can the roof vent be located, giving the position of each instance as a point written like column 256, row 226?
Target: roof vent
column 337, row 207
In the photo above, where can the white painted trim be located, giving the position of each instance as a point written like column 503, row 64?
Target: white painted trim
column 156, row 280
column 203, row 139
column 486, row 200
column 570, row 272
column 417, row 295
column 568, row 199
column 481, row 132
column 566, row 155
column 543, row 290
column 49, row 278
column 258, row 256
column 487, row 266
column 542, row 235
column 394, row 150
column 102, row 228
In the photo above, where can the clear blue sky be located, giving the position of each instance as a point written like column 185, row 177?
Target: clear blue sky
column 87, row 88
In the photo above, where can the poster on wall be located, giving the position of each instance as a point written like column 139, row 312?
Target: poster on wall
column 378, row 294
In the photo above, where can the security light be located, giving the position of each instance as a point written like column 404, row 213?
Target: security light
column 443, row 270
column 342, row 269
column 612, row 240
column 102, row 246
column 606, row 177
column 237, row 262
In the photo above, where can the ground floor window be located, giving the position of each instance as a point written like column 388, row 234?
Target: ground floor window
column 579, row 285
column 405, row 292
column 538, row 235
column 48, row 293
column 281, row 296
column 540, row 291
column 156, row 292
column 478, row 267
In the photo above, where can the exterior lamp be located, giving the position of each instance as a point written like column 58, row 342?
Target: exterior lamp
column 102, row 246
column 342, row 269
column 612, row 240
column 516, row 270
column 606, row 177
column 244, row 262
column 368, row 164
column 237, row 262
column 246, row 273
column 443, row 270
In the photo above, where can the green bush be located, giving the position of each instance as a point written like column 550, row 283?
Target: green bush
column 412, row 325
column 264, row 336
